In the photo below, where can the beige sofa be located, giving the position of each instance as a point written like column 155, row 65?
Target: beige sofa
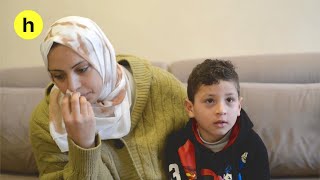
column 281, row 95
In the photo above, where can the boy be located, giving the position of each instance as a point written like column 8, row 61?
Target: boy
column 218, row 142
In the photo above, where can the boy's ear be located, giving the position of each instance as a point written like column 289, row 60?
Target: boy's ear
column 240, row 103
column 189, row 108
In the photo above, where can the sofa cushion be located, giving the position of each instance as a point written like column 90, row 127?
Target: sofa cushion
column 287, row 118
column 24, row 77
column 282, row 68
column 16, row 107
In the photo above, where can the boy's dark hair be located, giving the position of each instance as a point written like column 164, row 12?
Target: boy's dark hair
column 211, row 72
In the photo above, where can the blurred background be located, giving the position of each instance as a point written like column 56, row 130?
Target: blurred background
column 171, row 30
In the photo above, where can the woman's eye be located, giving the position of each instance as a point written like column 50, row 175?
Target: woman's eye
column 58, row 77
column 82, row 70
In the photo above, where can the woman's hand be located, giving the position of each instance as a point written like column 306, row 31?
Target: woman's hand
column 79, row 120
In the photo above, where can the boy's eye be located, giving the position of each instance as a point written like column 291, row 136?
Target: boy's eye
column 209, row 101
column 230, row 99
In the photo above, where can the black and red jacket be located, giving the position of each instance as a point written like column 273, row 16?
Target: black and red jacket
column 243, row 158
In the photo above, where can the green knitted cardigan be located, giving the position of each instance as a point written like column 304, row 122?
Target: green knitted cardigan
column 157, row 110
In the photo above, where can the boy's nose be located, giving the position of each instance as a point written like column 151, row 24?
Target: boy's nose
column 221, row 109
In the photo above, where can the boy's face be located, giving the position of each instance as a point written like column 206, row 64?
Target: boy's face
column 215, row 108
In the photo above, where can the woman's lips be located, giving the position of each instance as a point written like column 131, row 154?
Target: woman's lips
column 86, row 95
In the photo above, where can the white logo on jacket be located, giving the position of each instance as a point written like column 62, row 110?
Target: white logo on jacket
column 176, row 172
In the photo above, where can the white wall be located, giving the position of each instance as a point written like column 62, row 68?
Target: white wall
column 170, row 30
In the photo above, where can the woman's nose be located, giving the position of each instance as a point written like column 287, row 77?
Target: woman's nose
column 74, row 83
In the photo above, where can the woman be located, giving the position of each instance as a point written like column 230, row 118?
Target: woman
column 103, row 117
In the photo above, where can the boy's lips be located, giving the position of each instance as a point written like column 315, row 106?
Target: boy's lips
column 220, row 123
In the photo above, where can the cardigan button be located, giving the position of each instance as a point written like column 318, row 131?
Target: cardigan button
column 118, row 143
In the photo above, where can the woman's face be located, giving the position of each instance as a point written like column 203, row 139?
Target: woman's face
column 70, row 71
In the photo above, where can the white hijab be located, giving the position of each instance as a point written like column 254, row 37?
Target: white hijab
column 112, row 111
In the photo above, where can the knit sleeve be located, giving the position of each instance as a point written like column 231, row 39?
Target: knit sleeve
column 172, row 94
column 76, row 164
